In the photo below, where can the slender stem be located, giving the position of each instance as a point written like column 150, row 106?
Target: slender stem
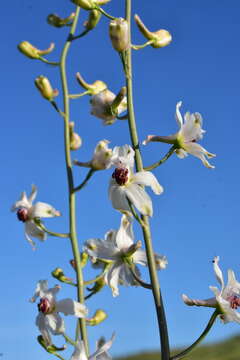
column 88, row 176
column 134, row 213
column 161, row 161
column 76, row 96
column 58, row 356
column 89, row 282
column 80, row 35
column 72, row 200
column 49, row 62
column 138, row 47
column 105, row 13
column 201, row 337
column 142, row 283
column 69, row 340
column 126, row 59
column 52, row 233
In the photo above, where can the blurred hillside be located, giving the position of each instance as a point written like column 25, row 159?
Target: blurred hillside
column 225, row 350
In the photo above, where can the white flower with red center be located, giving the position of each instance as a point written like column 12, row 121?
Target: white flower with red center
column 121, row 252
column 48, row 320
column 27, row 212
column 185, row 139
column 227, row 299
column 126, row 185
column 100, row 354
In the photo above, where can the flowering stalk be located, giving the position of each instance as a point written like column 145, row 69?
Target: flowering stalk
column 72, row 200
column 127, row 63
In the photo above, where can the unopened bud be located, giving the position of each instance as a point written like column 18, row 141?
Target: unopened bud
column 89, row 4
column 119, row 34
column 98, row 285
column 94, row 88
column 84, row 260
column 45, row 88
column 59, row 274
column 58, row 22
column 31, row 51
column 75, row 139
column 98, row 317
column 51, row 348
column 159, row 38
column 93, row 19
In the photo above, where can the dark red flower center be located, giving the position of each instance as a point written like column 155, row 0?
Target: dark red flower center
column 234, row 301
column 22, row 214
column 44, row 306
column 120, row 175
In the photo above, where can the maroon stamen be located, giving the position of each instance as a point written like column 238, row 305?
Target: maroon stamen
column 44, row 306
column 22, row 214
column 120, row 175
column 234, row 301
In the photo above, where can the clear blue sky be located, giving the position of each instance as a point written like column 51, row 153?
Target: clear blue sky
column 195, row 219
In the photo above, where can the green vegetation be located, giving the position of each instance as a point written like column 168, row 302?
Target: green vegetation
column 225, row 350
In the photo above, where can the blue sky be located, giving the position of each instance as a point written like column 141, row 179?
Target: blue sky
column 196, row 218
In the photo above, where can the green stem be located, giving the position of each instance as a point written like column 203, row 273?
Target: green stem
column 160, row 162
column 80, row 35
column 105, row 13
column 58, row 356
column 76, row 96
column 89, row 282
column 49, row 62
column 72, row 200
column 126, row 58
column 89, row 175
column 140, row 281
column 69, row 340
column 201, row 337
column 52, row 233
column 138, row 47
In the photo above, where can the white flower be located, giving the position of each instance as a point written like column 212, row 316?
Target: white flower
column 48, row 320
column 101, row 106
column 125, row 185
column 27, row 212
column 101, row 158
column 185, row 139
column 100, row 354
column 227, row 299
column 120, row 249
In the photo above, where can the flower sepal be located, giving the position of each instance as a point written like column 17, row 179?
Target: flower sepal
column 32, row 52
column 97, row 318
column 52, row 349
column 60, row 276
column 57, row 21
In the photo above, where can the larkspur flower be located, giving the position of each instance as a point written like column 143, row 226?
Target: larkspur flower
column 226, row 300
column 48, row 319
column 100, row 354
column 185, row 139
column 126, row 185
column 27, row 212
column 101, row 158
column 121, row 252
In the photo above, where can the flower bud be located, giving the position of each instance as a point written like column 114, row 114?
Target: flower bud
column 75, row 139
column 119, row 34
column 98, row 317
column 93, row 19
column 50, row 348
column 89, row 4
column 59, row 274
column 45, row 88
column 58, row 22
column 31, row 51
column 84, row 260
column 159, row 38
column 94, row 88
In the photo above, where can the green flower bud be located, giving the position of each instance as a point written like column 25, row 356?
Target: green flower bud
column 58, row 22
column 94, row 88
column 75, row 139
column 59, row 274
column 45, row 88
column 119, row 34
column 98, row 317
column 31, row 51
column 49, row 348
column 93, row 19
column 159, row 38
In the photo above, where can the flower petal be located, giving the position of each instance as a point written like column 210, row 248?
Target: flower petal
column 197, row 302
column 55, row 323
column 123, row 156
column 124, row 235
column 41, row 209
column 103, row 347
column 71, row 307
column 112, row 278
column 40, row 291
column 31, row 230
column 79, row 352
column 101, row 249
column 192, row 128
column 139, row 198
column 178, row 115
column 148, row 179
column 43, row 328
column 23, row 202
column 117, row 195
column 218, row 271
column 229, row 314
column 201, row 153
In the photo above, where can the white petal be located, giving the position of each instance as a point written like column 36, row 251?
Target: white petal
column 123, row 156
column 197, row 302
column 124, row 236
column 117, row 195
column 40, row 291
column 101, row 249
column 43, row 328
column 218, row 271
column 233, row 284
column 229, row 314
column 181, row 153
column 139, row 257
column 139, row 198
column 23, row 202
column 31, row 230
column 79, row 352
column 101, row 353
column 71, row 307
column 201, row 153
column 112, row 278
column 192, row 128
column 33, row 194
column 55, row 323
column 148, row 179
column 178, row 115
column 41, row 209
column 125, row 276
